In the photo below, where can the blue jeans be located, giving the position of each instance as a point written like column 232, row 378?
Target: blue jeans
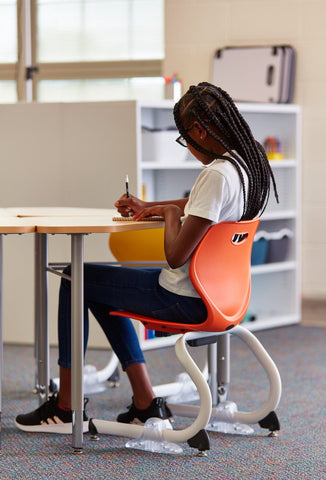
column 108, row 288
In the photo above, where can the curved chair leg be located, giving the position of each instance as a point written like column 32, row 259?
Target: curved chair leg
column 94, row 380
column 275, row 384
column 108, row 370
column 194, row 434
column 181, row 390
column 225, row 416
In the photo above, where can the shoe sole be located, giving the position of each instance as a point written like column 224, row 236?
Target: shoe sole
column 62, row 428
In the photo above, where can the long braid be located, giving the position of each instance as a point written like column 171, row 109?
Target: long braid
column 214, row 109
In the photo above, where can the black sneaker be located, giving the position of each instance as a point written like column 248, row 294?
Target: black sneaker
column 158, row 409
column 49, row 418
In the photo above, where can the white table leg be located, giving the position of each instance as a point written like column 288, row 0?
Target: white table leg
column 77, row 339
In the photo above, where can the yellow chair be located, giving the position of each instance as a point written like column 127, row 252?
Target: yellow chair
column 138, row 246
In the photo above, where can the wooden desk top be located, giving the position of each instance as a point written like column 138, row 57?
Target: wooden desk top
column 16, row 225
column 6, row 212
column 66, row 220
column 90, row 224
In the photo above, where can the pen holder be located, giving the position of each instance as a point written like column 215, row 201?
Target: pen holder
column 273, row 148
column 172, row 91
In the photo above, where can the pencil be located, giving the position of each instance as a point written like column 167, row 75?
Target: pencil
column 127, row 186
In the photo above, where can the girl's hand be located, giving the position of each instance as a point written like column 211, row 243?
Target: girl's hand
column 129, row 206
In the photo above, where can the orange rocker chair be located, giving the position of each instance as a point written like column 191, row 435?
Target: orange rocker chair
column 220, row 270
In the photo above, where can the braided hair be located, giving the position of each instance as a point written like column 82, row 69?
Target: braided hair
column 216, row 112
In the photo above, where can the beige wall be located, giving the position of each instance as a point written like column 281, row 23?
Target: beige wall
column 57, row 155
column 196, row 28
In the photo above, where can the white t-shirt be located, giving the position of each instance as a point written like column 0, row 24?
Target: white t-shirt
column 216, row 195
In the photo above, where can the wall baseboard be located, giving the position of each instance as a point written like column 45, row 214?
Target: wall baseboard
column 314, row 312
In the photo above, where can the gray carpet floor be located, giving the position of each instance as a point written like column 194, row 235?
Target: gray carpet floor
column 297, row 453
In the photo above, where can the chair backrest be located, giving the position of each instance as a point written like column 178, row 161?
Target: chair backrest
column 220, row 270
column 138, row 245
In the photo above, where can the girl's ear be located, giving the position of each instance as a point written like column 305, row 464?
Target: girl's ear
column 199, row 130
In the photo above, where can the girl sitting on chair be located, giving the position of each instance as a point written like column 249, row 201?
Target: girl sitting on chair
column 233, row 185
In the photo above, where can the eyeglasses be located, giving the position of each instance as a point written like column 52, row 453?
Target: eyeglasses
column 181, row 140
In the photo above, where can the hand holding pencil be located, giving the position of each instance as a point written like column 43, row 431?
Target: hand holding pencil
column 128, row 205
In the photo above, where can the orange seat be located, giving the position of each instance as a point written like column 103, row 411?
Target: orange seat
column 220, row 272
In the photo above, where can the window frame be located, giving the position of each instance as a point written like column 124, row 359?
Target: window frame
column 64, row 70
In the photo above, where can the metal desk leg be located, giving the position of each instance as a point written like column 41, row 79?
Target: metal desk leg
column 41, row 317
column 77, row 339
column 1, row 347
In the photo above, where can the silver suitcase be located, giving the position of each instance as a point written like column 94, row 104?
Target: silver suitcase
column 256, row 74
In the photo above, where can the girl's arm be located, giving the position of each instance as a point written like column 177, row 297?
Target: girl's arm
column 179, row 241
column 129, row 206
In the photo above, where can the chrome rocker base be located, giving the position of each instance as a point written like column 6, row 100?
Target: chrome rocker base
column 225, row 417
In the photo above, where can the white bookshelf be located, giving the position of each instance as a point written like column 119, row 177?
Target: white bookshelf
column 276, row 287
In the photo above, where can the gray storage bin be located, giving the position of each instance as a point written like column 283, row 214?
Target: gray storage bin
column 279, row 244
column 160, row 146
